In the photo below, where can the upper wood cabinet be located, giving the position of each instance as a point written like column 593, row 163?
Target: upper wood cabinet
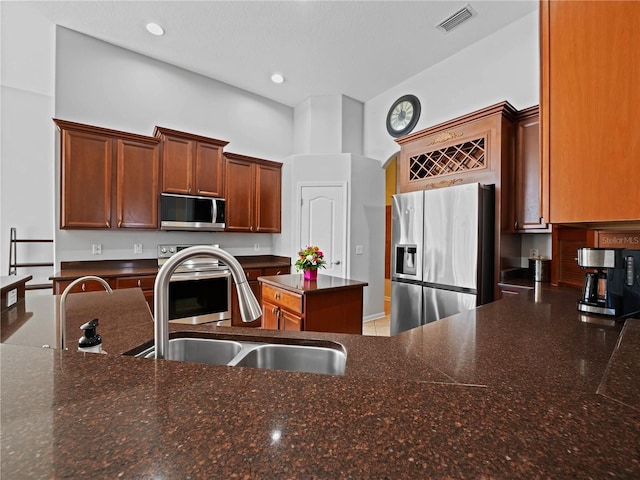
column 109, row 179
column 589, row 109
column 253, row 194
column 191, row 164
column 137, row 172
column 528, row 175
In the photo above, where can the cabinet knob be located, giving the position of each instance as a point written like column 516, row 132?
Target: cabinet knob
column 119, row 223
column 84, row 287
column 276, row 295
column 139, row 283
column 278, row 272
column 515, row 224
column 108, row 224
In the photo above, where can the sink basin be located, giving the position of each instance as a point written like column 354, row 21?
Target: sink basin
column 253, row 353
column 199, row 350
column 298, row 358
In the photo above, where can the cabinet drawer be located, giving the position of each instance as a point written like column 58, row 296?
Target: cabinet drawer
column 253, row 273
column 282, row 298
column 145, row 282
column 88, row 286
column 276, row 271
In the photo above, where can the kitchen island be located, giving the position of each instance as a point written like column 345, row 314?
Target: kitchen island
column 519, row 388
column 328, row 304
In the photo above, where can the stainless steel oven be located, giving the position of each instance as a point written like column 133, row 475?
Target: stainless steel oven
column 199, row 290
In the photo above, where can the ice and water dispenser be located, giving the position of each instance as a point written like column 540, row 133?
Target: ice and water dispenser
column 406, row 259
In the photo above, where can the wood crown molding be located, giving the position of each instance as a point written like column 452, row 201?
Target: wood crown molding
column 66, row 125
column 158, row 131
column 246, row 158
column 505, row 108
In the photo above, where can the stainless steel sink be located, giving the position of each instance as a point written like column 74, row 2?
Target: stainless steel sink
column 199, row 350
column 297, row 358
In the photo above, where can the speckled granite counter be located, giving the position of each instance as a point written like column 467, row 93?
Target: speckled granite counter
column 519, row 388
column 125, row 268
column 297, row 283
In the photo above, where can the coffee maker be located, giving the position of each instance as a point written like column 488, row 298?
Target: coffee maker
column 612, row 286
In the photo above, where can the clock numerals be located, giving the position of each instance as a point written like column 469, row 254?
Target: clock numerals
column 403, row 115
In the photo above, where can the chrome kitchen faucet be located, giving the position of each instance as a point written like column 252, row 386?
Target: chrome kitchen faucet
column 249, row 306
column 63, row 301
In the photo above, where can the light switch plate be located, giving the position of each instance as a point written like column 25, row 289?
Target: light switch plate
column 137, row 248
column 359, row 249
column 96, row 249
column 12, row 297
column 533, row 253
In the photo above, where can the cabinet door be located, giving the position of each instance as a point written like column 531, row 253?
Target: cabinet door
column 177, row 169
column 236, row 318
column 290, row 322
column 270, row 316
column 144, row 282
column 268, row 199
column 137, row 184
column 86, row 180
column 208, row 170
column 590, row 100
column 240, row 194
column 528, row 186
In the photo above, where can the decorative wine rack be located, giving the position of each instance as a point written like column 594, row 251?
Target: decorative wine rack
column 469, row 155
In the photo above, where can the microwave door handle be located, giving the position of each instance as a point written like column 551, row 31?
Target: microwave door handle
column 214, row 210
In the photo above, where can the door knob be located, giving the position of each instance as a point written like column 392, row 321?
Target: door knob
column 337, row 262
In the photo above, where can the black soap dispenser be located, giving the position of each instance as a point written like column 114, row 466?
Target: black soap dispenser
column 90, row 341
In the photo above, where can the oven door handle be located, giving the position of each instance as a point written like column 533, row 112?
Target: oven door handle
column 186, row 276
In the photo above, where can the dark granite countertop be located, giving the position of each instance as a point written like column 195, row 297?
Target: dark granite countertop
column 519, row 388
column 13, row 281
column 127, row 268
column 297, row 283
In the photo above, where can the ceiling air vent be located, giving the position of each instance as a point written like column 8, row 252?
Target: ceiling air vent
column 456, row 19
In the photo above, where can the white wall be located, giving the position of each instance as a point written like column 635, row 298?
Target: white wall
column 366, row 212
column 26, row 136
column 502, row 66
column 101, row 84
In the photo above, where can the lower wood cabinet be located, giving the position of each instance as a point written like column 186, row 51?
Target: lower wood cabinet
column 145, row 282
column 252, row 275
column 337, row 310
column 88, row 286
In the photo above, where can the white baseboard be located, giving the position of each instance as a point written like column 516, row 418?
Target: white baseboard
column 373, row 316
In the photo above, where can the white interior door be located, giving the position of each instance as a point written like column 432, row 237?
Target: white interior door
column 322, row 222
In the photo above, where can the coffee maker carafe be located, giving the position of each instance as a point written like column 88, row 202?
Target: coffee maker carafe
column 602, row 292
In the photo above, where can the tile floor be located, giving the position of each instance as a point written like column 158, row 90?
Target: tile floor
column 380, row 327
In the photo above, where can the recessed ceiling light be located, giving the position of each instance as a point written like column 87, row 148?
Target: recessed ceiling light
column 277, row 78
column 155, row 29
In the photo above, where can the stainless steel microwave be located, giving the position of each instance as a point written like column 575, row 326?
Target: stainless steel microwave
column 188, row 212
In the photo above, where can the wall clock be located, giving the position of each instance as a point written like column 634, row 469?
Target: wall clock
column 403, row 115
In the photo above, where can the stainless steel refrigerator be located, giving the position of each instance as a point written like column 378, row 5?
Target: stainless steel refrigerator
column 442, row 253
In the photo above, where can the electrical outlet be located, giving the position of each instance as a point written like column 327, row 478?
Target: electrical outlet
column 359, row 249
column 96, row 249
column 533, row 253
column 256, row 247
column 137, row 248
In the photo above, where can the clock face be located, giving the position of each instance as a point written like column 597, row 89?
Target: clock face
column 403, row 115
